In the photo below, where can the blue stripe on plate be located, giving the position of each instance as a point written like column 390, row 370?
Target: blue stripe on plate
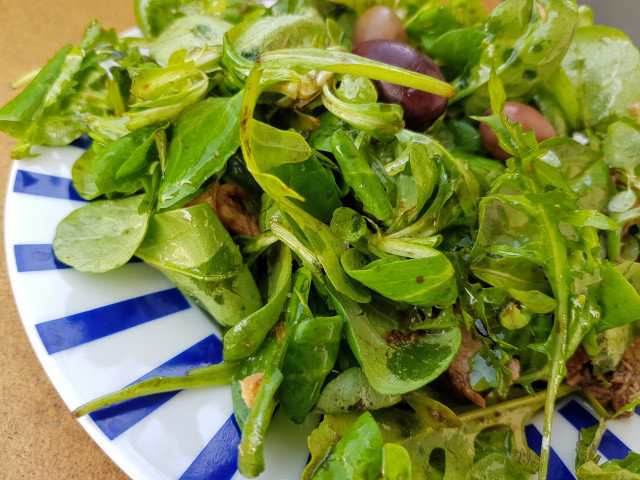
column 45, row 186
column 219, row 459
column 67, row 332
column 610, row 446
column 116, row 419
column 557, row 469
column 36, row 258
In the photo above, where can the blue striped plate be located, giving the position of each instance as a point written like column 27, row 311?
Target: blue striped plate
column 98, row 333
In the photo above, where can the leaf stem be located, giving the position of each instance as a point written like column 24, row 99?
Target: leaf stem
column 220, row 375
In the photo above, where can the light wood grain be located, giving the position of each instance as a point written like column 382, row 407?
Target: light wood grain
column 39, row 438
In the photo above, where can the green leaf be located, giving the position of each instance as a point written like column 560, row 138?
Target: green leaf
column 118, row 166
column 192, row 248
column 380, row 120
column 598, row 57
column 396, row 463
column 510, row 272
column 527, row 41
column 358, row 454
column 101, row 236
column 394, row 368
column 18, row 115
column 250, row 449
column 619, row 300
column 349, row 391
column 622, row 146
column 625, row 469
column 281, row 32
column 204, row 138
column 310, row 356
column 193, row 32
column 425, row 281
column 584, row 171
column 278, row 147
column 82, row 177
column 359, row 175
column 247, row 335
column 321, row 193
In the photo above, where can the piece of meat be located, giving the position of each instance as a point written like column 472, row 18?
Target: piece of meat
column 249, row 387
column 460, row 367
column 225, row 200
column 613, row 390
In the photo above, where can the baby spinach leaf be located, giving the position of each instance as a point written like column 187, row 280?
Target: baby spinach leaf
column 360, row 176
column 358, row 454
column 350, row 390
column 247, row 335
column 598, row 57
column 393, row 368
column 205, row 136
column 426, row 281
column 101, row 236
column 309, row 358
column 192, row 248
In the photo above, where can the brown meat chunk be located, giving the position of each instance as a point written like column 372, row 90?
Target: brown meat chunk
column 613, row 390
column 226, row 201
column 460, row 367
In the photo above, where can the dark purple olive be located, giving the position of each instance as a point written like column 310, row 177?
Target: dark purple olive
column 525, row 115
column 421, row 109
column 379, row 23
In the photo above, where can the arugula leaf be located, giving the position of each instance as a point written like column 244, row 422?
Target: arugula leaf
column 205, row 136
column 192, row 248
column 101, row 236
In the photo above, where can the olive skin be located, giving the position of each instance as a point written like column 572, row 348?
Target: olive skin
column 525, row 115
column 379, row 23
column 420, row 108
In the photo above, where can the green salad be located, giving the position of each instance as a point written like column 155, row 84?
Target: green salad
column 417, row 218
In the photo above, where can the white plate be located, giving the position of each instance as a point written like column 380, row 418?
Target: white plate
column 98, row 333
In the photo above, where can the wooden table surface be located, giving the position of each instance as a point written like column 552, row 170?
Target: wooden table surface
column 39, row 438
